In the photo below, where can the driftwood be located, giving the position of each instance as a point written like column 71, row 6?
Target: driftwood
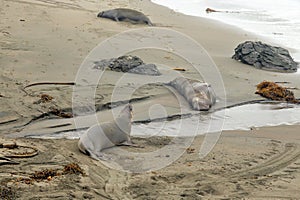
column 209, row 10
column 179, row 69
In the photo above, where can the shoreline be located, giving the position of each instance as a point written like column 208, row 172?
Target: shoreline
column 263, row 35
column 51, row 44
column 206, row 32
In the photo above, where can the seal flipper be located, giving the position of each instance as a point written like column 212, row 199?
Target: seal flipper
column 93, row 156
column 149, row 23
column 99, row 156
column 116, row 18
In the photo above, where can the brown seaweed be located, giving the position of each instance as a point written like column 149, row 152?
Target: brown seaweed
column 273, row 91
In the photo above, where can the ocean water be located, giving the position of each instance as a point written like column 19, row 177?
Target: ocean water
column 274, row 19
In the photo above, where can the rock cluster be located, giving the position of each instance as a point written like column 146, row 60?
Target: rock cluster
column 264, row 56
column 130, row 64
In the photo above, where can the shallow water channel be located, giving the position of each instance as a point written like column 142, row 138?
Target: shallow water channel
column 243, row 117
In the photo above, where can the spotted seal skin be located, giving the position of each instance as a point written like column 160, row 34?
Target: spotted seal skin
column 106, row 135
column 200, row 96
column 124, row 14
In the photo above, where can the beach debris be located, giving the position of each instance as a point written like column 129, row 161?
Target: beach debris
column 274, row 33
column 45, row 174
column 125, row 14
column 49, row 83
column 73, row 168
column 190, row 150
column 25, row 180
column 200, row 96
column 282, row 82
column 179, row 69
column 130, row 64
column 273, row 91
column 44, row 98
column 266, row 57
column 48, row 173
column 209, row 10
column 60, row 113
column 10, row 149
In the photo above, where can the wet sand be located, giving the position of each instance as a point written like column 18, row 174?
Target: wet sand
column 47, row 41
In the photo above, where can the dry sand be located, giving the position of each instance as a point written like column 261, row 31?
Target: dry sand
column 48, row 40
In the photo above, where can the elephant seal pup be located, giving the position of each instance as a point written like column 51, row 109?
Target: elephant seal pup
column 108, row 134
column 200, row 95
column 124, row 14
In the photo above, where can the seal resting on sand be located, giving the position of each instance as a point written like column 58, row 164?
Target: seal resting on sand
column 105, row 135
column 124, row 14
column 200, row 95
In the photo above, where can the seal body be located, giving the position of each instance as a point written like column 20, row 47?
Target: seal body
column 200, row 96
column 124, row 14
column 106, row 135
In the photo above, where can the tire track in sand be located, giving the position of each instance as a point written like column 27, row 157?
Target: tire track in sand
column 280, row 161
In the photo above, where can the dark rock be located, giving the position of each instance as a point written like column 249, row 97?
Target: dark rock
column 130, row 64
column 125, row 63
column 264, row 56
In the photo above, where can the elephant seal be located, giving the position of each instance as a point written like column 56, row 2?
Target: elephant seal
column 200, row 96
column 106, row 135
column 124, row 14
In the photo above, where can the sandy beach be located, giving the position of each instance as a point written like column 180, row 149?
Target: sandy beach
column 47, row 41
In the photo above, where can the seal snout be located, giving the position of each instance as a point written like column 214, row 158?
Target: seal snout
column 200, row 104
